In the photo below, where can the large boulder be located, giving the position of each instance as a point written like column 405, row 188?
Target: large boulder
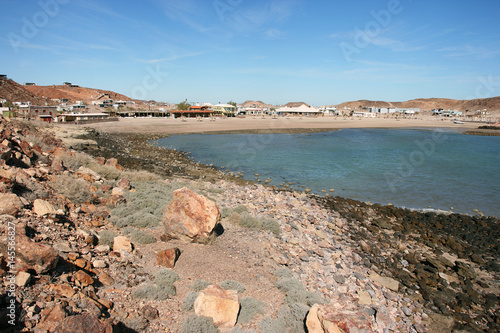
column 190, row 217
column 83, row 323
column 10, row 204
column 219, row 304
column 337, row 317
column 42, row 207
column 29, row 254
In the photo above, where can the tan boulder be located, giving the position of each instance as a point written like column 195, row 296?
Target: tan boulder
column 385, row 281
column 10, row 204
column 122, row 243
column 219, row 304
column 337, row 317
column 167, row 258
column 42, row 207
column 190, row 217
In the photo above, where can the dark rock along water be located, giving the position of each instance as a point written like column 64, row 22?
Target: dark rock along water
column 411, row 168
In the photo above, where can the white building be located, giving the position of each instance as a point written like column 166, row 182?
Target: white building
column 302, row 110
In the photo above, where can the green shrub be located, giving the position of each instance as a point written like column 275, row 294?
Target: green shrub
column 233, row 285
column 144, row 207
column 239, row 216
column 199, row 285
column 73, row 162
column 139, row 236
column 199, row 324
column 164, row 289
column 290, row 318
column 271, row 225
column 75, row 190
column 188, row 303
column 297, row 293
column 250, row 307
column 226, row 212
column 107, row 237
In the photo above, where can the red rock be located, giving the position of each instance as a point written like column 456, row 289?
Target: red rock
column 83, row 323
column 190, row 217
column 84, row 278
column 168, row 257
column 26, row 148
column 31, row 255
column 62, row 290
column 51, row 318
column 106, row 280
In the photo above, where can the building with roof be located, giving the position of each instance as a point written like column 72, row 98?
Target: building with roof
column 35, row 111
column 224, row 109
column 194, row 111
column 301, row 110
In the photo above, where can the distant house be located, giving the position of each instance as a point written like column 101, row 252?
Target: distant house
column 301, row 110
column 30, row 84
column 3, row 76
column 195, row 111
column 36, row 112
column 225, row 109
column 81, row 117
column 67, row 83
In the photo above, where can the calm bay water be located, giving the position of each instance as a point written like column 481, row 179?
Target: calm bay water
column 410, row 168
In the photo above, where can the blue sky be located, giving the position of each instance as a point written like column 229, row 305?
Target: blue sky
column 277, row 51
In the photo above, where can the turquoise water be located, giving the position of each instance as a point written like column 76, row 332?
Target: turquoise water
column 410, row 168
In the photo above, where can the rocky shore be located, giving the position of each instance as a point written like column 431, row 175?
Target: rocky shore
column 95, row 247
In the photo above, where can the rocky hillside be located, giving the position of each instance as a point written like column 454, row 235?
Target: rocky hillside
column 74, row 93
column 14, row 92
column 426, row 104
column 87, row 244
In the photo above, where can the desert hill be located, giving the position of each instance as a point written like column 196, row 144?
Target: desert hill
column 492, row 104
column 254, row 104
column 74, row 93
column 14, row 92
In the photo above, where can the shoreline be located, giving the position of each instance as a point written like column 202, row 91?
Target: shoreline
column 434, row 258
column 185, row 166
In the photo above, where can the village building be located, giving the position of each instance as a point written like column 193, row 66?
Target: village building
column 294, row 109
column 44, row 113
column 195, row 111
column 224, row 109
column 80, row 118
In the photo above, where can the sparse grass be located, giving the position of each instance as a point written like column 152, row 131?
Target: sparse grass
column 233, row 285
column 199, row 324
column 144, row 207
column 244, row 219
column 250, row 307
column 164, row 289
column 289, row 319
column 188, row 303
column 75, row 190
column 225, row 212
column 139, row 236
column 107, row 237
column 297, row 293
column 199, row 285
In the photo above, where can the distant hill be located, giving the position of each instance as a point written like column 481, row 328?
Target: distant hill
column 254, row 104
column 492, row 104
column 14, row 92
column 74, row 94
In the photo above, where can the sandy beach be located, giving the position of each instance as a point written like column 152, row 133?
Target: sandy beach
column 267, row 124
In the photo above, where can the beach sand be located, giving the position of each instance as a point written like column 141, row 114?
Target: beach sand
column 267, row 124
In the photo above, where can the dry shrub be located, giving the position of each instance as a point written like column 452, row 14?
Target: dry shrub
column 76, row 190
